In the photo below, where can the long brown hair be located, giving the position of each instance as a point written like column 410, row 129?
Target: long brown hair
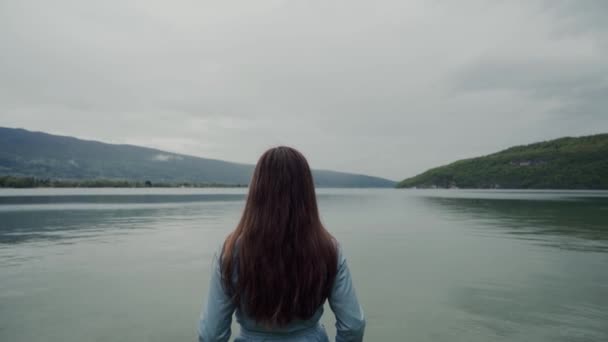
column 279, row 263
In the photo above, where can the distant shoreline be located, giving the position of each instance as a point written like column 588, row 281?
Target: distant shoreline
column 24, row 182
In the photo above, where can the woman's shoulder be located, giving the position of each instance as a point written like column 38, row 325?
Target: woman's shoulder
column 340, row 253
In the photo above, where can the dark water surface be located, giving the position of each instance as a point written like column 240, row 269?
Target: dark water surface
column 132, row 265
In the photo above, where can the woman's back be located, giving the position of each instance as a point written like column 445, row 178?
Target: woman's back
column 279, row 265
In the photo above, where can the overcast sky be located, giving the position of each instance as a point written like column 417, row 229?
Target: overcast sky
column 387, row 88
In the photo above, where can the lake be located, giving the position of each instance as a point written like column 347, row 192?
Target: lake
column 428, row 265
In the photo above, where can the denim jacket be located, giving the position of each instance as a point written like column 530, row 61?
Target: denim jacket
column 216, row 316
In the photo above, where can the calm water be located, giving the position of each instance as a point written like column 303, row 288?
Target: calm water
column 132, row 265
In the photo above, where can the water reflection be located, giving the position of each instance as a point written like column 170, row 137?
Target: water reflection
column 24, row 226
column 427, row 269
column 118, row 198
column 523, row 292
column 573, row 223
column 63, row 223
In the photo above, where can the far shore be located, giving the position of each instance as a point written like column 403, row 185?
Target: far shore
column 23, row 182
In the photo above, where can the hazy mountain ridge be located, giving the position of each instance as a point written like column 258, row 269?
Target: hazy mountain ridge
column 565, row 163
column 38, row 154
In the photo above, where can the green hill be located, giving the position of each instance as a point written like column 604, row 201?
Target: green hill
column 45, row 156
column 566, row 163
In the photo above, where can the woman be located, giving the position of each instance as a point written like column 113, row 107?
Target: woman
column 279, row 265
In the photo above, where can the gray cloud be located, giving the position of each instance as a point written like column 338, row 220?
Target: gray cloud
column 388, row 88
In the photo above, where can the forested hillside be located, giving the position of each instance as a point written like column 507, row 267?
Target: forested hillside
column 566, row 163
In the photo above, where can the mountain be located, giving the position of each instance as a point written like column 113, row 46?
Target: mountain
column 42, row 155
column 566, row 163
